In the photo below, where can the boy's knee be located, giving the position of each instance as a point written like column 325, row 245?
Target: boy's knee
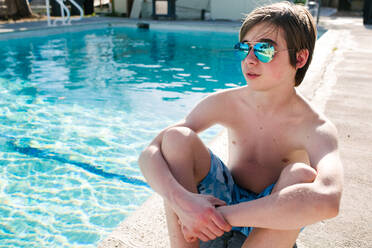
column 301, row 172
column 177, row 137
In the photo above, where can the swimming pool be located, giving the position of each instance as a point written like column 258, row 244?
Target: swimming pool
column 76, row 110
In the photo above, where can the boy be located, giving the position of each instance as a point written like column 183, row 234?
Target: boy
column 284, row 170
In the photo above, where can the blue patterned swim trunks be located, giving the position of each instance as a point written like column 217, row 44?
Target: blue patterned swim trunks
column 220, row 184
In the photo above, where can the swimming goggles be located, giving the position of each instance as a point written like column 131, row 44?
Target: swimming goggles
column 264, row 51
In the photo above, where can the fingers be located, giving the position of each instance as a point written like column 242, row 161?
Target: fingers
column 220, row 222
column 213, row 228
column 208, row 234
column 192, row 239
column 189, row 238
column 187, row 234
column 205, row 234
column 194, row 236
column 217, row 217
column 207, row 224
column 215, row 201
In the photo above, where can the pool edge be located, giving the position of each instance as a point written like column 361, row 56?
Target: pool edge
column 40, row 28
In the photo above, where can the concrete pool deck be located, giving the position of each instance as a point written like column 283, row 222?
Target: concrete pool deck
column 339, row 82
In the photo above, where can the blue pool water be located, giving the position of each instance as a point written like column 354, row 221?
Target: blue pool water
column 77, row 108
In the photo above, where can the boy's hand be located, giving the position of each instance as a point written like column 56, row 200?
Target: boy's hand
column 200, row 219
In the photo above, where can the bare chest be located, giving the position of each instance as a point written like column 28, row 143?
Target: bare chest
column 259, row 152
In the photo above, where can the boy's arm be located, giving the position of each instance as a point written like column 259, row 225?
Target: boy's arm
column 156, row 171
column 301, row 204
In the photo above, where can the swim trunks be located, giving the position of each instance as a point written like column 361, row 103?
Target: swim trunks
column 220, row 184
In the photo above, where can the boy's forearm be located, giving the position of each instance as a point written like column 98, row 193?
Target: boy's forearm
column 291, row 208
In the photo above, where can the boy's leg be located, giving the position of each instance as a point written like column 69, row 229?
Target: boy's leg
column 189, row 162
column 267, row 238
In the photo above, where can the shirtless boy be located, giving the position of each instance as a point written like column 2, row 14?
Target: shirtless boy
column 284, row 170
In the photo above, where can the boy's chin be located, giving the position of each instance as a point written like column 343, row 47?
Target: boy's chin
column 257, row 86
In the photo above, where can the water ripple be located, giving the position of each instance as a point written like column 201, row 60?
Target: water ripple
column 47, row 154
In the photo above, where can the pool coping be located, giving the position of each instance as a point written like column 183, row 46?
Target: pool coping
column 40, row 28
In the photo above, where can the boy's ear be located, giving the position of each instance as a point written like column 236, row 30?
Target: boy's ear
column 301, row 58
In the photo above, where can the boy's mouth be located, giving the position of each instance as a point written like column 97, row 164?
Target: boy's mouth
column 252, row 75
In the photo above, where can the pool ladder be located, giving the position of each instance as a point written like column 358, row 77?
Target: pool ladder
column 65, row 19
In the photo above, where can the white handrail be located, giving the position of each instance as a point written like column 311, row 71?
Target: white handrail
column 64, row 8
column 80, row 9
column 48, row 12
column 64, row 20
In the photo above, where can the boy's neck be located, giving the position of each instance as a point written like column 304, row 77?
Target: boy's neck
column 273, row 100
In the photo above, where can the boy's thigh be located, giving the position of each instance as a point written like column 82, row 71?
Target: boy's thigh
column 266, row 238
column 186, row 154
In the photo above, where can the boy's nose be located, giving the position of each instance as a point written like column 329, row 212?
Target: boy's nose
column 250, row 58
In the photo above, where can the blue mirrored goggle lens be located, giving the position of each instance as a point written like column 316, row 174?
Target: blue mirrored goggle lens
column 241, row 50
column 241, row 54
column 264, row 51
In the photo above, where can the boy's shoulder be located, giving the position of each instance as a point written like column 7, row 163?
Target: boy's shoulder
column 317, row 126
column 229, row 92
column 226, row 95
column 316, row 116
column 219, row 106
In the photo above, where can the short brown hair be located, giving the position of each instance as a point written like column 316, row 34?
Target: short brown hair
column 298, row 26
